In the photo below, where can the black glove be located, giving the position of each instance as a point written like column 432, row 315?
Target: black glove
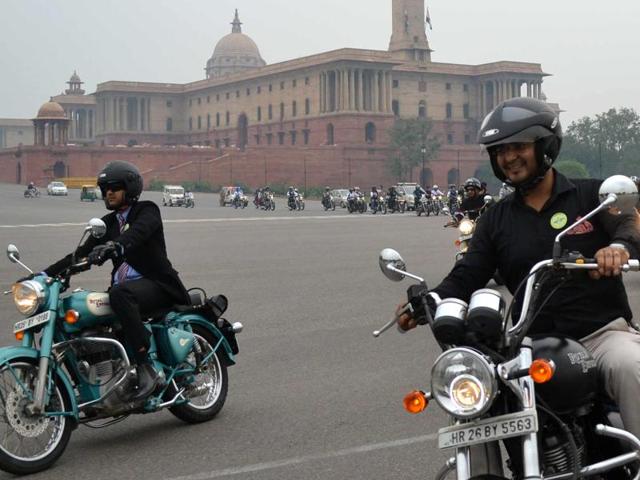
column 417, row 296
column 104, row 252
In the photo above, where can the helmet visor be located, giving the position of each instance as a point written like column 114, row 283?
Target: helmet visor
column 528, row 135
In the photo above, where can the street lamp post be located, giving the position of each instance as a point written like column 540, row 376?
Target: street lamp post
column 423, row 150
column 458, row 171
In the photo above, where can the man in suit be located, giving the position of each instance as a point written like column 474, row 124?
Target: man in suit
column 143, row 279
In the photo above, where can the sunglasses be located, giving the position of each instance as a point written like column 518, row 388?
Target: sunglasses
column 114, row 187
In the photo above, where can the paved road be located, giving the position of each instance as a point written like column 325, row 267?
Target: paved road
column 314, row 395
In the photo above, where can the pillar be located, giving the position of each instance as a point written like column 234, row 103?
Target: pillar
column 375, row 102
column 360, row 91
column 352, row 90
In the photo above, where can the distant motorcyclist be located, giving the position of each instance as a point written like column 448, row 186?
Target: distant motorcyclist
column 435, row 191
column 418, row 192
column 257, row 197
column 473, row 200
column 505, row 190
column 31, row 186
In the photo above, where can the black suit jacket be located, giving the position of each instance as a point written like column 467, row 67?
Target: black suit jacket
column 144, row 249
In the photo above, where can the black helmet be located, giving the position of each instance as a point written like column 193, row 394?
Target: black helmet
column 472, row 182
column 121, row 172
column 523, row 120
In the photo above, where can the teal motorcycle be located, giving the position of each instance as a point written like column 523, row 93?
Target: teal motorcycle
column 72, row 368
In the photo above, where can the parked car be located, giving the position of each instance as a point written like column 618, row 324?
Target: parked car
column 57, row 188
column 173, row 195
column 406, row 190
column 226, row 196
column 88, row 192
column 340, row 196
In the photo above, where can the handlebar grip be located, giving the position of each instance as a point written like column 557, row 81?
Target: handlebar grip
column 633, row 265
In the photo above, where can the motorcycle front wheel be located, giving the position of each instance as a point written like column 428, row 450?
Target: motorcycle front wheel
column 30, row 443
column 207, row 390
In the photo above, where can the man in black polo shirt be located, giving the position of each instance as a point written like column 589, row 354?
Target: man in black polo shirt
column 523, row 138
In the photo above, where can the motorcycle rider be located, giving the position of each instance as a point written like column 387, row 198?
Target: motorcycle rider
column 142, row 279
column 373, row 198
column 523, row 138
column 291, row 196
column 418, row 192
column 237, row 195
column 188, row 197
column 392, row 198
column 435, row 191
column 326, row 197
column 452, row 199
column 257, row 197
column 473, row 200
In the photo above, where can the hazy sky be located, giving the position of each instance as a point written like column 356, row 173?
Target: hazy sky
column 592, row 48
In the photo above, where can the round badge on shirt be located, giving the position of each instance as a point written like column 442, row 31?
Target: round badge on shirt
column 558, row 220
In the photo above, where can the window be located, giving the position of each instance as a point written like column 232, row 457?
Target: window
column 281, row 111
column 190, row 123
column 450, row 138
column 305, row 137
column 465, row 110
column 294, row 108
column 237, row 93
column 270, row 87
column 465, row 87
column 169, row 104
column 307, row 106
column 294, row 134
column 217, row 143
column 208, row 99
column 449, row 110
column 199, row 122
column 422, row 109
column 330, row 132
column 306, row 80
column 257, row 139
column 396, row 83
column 228, row 117
column 217, row 97
column 370, row 132
column 217, row 119
column 467, row 138
column 448, row 86
column 395, row 107
column 226, row 142
column 208, row 121
column 259, row 114
column 270, row 112
column 259, row 89
column 280, row 138
column 190, row 102
column 227, row 96
column 281, row 85
column 169, row 124
column 199, row 101
column 269, row 138
column 422, row 86
column 248, row 92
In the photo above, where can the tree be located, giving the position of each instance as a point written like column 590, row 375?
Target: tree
column 571, row 168
column 408, row 136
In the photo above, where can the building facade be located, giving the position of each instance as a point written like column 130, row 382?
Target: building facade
column 336, row 106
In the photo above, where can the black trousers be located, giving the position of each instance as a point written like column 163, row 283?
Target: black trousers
column 130, row 301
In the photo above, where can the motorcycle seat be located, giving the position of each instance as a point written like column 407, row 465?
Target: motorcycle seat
column 158, row 315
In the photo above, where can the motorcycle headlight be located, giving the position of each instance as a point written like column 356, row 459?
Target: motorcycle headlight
column 467, row 227
column 463, row 382
column 28, row 296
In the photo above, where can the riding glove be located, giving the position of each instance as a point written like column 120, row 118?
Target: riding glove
column 102, row 253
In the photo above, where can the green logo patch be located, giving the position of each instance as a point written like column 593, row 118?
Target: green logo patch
column 558, row 220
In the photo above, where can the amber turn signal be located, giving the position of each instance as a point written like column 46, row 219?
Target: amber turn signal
column 457, row 243
column 415, row 402
column 542, row 371
column 20, row 335
column 71, row 316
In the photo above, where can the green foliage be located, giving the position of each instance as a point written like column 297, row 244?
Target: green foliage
column 200, row 186
column 408, row 136
column 572, row 169
column 606, row 144
column 155, row 185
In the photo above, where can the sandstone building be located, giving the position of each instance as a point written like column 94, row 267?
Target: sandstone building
column 320, row 119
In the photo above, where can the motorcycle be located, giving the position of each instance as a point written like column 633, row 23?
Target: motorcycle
column 239, row 202
column 295, row 202
column 189, row 202
column 31, row 193
column 328, row 202
column 536, row 394
column 378, row 205
column 267, row 202
column 425, row 205
column 396, row 204
column 71, row 367
column 300, row 202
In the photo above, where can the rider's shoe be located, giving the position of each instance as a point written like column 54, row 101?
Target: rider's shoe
column 148, row 381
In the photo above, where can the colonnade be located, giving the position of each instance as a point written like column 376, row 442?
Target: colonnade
column 355, row 90
column 125, row 114
column 82, row 123
column 494, row 91
column 50, row 131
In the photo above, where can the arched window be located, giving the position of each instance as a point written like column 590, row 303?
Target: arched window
column 370, row 132
column 330, row 139
column 395, row 107
column 243, row 136
column 453, row 176
column 422, row 109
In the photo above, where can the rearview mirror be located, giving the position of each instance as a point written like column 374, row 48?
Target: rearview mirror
column 625, row 192
column 12, row 253
column 390, row 258
column 98, row 227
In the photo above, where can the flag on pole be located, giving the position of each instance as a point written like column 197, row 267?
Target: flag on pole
column 428, row 19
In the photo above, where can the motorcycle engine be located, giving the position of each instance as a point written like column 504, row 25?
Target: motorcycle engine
column 100, row 365
column 557, row 453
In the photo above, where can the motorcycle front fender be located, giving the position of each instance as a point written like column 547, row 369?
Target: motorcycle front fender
column 7, row 354
column 203, row 322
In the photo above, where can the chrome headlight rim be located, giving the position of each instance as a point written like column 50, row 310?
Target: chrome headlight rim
column 484, row 376
column 466, row 226
column 39, row 296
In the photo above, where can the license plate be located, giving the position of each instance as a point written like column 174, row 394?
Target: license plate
column 490, row 429
column 31, row 322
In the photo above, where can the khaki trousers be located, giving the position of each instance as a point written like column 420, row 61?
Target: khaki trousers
column 616, row 349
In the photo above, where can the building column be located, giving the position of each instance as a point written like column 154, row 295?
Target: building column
column 140, row 104
column 388, row 87
column 360, row 100
column 345, row 88
column 321, row 92
column 528, row 88
column 375, row 102
column 148, row 114
column 351, row 90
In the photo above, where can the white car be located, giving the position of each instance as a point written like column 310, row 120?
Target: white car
column 57, row 188
column 173, row 195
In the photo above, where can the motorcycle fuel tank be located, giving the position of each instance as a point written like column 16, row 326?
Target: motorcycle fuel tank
column 93, row 309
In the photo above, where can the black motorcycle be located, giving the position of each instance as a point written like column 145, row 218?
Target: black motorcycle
column 378, row 204
column 31, row 193
column 328, row 203
column 536, row 394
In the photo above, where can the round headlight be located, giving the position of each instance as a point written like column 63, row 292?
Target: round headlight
column 466, row 227
column 28, row 296
column 463, row 382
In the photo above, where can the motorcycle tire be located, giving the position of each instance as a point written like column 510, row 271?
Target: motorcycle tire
column 333, row 206
column 189, row 412
column 273, row 206
column 419, row 211
column 402, row 207
column 18, row 464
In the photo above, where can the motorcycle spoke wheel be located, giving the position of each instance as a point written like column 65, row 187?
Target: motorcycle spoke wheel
column 29, row 443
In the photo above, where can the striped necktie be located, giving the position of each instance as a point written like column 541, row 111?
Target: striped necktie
column 123, row 269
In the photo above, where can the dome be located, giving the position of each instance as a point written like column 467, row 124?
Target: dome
column 51, row 111
column 75, row 78
column 235, row 52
